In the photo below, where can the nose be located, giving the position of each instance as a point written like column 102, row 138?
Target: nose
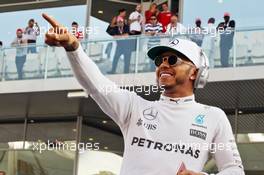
column 165, row 63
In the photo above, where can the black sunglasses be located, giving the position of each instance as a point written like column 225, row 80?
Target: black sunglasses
column 172, row 60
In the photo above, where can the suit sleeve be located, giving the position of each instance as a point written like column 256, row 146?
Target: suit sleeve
column 115, row 102
column 226, row 153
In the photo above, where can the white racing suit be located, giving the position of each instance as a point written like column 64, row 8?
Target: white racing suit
column 161, row 135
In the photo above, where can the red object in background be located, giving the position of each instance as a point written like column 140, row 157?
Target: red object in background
column 18, row 30
column 226, row 14
column 79, row 35
column 148, row 14
column 164, row 19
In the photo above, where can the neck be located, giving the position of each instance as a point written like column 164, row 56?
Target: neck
column 178, row 92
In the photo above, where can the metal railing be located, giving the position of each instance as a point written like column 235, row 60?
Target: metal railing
column 127, row 55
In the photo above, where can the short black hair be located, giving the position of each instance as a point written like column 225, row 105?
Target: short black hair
column 1, row 43
column 121, row 10
column 211, row 20
column 153, row 16
column 175, row 14
column 74, row 23
column 31, row 20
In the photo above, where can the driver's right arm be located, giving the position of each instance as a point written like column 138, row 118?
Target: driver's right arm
column 115, row 102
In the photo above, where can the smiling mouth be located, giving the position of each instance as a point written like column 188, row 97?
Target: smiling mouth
column 165, row 74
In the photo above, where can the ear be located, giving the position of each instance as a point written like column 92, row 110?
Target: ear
column 193, row 74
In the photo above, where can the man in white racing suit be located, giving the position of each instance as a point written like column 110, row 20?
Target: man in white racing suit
column 162, row 135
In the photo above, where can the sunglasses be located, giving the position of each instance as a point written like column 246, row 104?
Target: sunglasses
column 153, row 18
column 173, row 60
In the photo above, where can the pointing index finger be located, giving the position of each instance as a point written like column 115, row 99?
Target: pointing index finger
column 51, row 20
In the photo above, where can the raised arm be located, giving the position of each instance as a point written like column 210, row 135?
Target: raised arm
column 113, row 101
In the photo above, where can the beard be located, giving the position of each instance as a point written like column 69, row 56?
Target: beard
column 178, row 82
column 172, row 87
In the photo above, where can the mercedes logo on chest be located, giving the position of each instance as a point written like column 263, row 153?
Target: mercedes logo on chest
column 150, row 113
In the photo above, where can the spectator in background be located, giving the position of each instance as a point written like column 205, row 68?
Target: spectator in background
column 153, row 11
column 21, row 52
column 123, row 46
column 121, row 16
column 209, row 41
column 197, row 33
column 136, row 21
column 174, row 27
column 31, row 32
column 154, row 28
column 164, row 16
column 112, row 26
column 75, row 31
column 1, row 53
column 226, row 30
column 2, row 173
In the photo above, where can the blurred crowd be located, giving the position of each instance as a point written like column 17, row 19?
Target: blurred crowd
column 154, row 23
column 26, row 39
column 157, row 23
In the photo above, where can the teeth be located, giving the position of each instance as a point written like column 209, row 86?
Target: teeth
column 165, row 75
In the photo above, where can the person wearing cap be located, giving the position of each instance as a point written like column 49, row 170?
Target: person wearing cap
column 226, row 30
column 196, row 34
column 21, row 52
column 159, row 135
